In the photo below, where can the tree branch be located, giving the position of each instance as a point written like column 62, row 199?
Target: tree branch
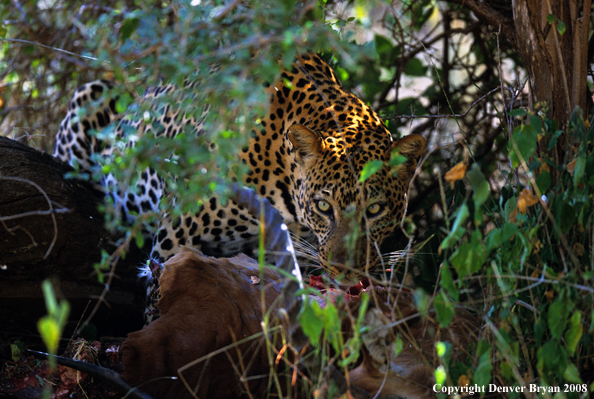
column 486, row 13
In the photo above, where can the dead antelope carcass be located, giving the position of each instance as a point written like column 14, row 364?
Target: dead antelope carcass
column 207, row 304
column 210, row 306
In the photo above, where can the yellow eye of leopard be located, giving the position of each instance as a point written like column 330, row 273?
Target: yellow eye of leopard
column 374, row 209
column 323, row 205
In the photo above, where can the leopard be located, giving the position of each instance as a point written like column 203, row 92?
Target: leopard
column 306, row 157
column 92, row 109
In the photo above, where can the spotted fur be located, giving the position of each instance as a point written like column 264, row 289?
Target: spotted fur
column 306, row 158
column 92, row 109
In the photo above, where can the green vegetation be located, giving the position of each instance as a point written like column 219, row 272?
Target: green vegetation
column 528, row 251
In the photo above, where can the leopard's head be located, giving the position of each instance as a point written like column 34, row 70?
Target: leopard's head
column 351, row 218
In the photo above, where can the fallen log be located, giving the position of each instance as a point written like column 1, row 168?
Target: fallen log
column 50, row 227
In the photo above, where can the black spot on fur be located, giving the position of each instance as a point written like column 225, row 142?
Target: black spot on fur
column 146, row 206
column 167, row 245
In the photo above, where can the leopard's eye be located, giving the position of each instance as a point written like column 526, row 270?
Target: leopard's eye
column 374, row 209
column 323, row 206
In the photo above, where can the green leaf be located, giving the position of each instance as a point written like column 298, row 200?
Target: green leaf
column 123, row 102
column 128, row 27
column 422, row 301
column 557, row 318
column 459, row 257
column 539, row 330
column 510, row 207
column 572, row 374
column 469, row 257
column 444, row 309
column 565, row 214
column 50, row 333
column 139, row 239
column 551, row 18
column 396, row 159
column 482, row 374
column 369, row 169
column 552, row 357
column 50, row 299
column 311, row 324
column 498, row 237
column 415, row 68
column 536, row 123
column 398, row 346
column 63, row 314
column 288, row 83
column 481, row 190
column 543, row 181
column 457, row 229
column 16, row 351
column 493, row 240
column 362, row 309
column 331, row 321
column 343, row 74
column 561, row 28
column 523, row 144
column 426, row 15
column 580, row 168
column 447, row 282
column 440, row 375
column 574, row 332
column 440, row 348
column 383, row 46
column 554, row 138
column 517, row 112
column 506, row 371
column 509, row 230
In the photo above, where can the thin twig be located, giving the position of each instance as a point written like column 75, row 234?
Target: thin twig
column 34, row 213
column 59, row 50
column 225, row 10
column 18, row 227
column 538, row 281
column 388, row 117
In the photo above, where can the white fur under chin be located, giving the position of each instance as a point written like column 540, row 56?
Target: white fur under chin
column 144, row 272
column 150, row 271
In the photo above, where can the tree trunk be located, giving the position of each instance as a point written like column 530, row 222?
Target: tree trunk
column 556, row 62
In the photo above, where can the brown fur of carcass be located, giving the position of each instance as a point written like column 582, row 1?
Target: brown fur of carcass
column 206, row 304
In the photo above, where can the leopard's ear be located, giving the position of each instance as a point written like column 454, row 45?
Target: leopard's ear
column 411, row 146
column 307, row 144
